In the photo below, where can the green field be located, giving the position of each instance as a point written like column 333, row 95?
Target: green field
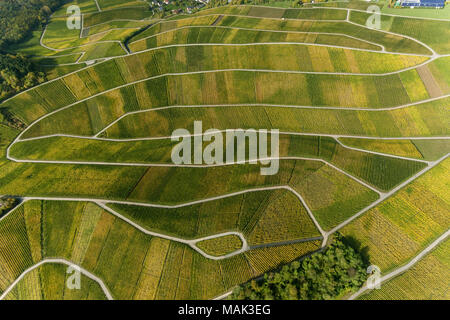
column 86, row 6
column 363, row 5
column 7, row 134
column 384, row 123
column 99, row 37
column 110, row 4
column 285, row 57
column 59, row 71
column 137, row 13
column 104, row 27
column 256, row 11
column 354, row 90
column 242, row 87
column 380, row 171
column 417, row 12
column 392, row 43
column 257, row 214
column 48, row 282
column 69, row 39
column 224, row 34
column 433, row 33
column 220, row 246
column 31, row 46
column 116, row 252
column 417, row 148
column 272, row 257
column 360, row 111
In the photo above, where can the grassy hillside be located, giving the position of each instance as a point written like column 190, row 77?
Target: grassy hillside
column 220, row 246
column 419, row 149
column 381, row 171
column 392, row 43
column 428, row 279
column 223, row 34
column 344, row 197
column 433, row 33
column 335, row 90
column 354, row 90
column 48, row 282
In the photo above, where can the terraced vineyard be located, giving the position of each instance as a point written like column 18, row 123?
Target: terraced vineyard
column 363, row 118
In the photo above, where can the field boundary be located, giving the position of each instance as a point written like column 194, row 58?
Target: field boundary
column 315, row 6
column 383, row 49
column 432, row 58
column 215, row 71
column 336, row 137
column 424, row 75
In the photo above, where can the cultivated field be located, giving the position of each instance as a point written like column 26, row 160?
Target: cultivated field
column 116, row 252
column 400, row 227
column 429, row 279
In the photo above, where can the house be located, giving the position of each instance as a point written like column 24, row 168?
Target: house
column 423, row 3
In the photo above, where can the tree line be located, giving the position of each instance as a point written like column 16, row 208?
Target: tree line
column 329, row 274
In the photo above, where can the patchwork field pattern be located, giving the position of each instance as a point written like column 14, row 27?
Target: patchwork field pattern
column 48, row 282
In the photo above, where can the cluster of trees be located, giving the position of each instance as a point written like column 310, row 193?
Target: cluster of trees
column 19, row 17
column 17, row 73
column 217, row 3
column 325, row 275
